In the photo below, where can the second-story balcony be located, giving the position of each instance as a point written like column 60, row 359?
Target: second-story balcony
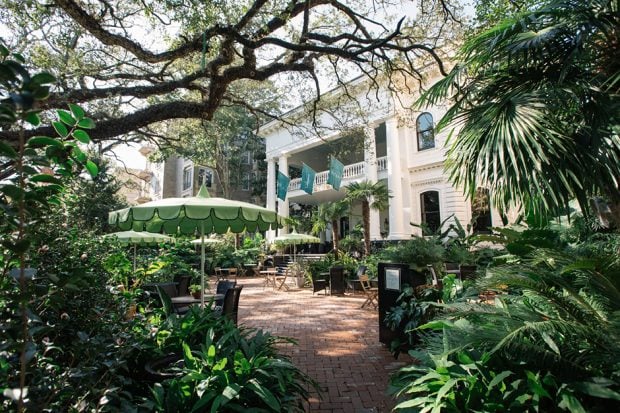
column 351, row 173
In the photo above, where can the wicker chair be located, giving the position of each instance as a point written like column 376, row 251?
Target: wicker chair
column 222, row 288
column 318, row 284
column 230, row 308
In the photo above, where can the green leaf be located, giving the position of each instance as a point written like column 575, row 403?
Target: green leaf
column 13, row 191
column 66, row 117
column 60, row 129
column 33, row 118
column 550, row 343
column 596, row 390
column 92, row 168
column 43, row 78
column 570, row 403
column 4, row 52
column 264, row 394
column 19, row 57
column 81, row 136
column 78, row 112
column 7, row 150
column 78, row 154
column 499, row 378
column 86, row 123
column 46, row 178
column 39, row 141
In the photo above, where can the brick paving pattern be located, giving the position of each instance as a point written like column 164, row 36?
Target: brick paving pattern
column 338, row 344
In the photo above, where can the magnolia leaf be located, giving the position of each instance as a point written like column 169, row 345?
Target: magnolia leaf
column 81, row 136
column 46, row 178
column 86, row 123
column 7, row 150
column 78, row 112
column 60, row 129
column 66, row 117
column 92, row 168
column 43, row 78
column 33, row 118
column 38, row 141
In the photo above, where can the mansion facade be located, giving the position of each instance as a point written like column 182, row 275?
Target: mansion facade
column 380, row 137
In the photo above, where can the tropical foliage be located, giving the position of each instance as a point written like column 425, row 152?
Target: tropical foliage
column 536, row 104
column 375, row 196
column 548, row 341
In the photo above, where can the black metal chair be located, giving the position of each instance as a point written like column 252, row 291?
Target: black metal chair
column 336, row 280
column 230, row 308
column 318, row 284
column 183, row 287
column 222, row 288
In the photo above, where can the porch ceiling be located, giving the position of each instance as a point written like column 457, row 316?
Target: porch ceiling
column 317, row 198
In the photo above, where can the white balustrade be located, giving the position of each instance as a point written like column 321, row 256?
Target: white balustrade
column 382, row 164
column 350, row 171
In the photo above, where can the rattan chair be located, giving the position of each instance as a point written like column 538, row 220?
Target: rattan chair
column 230, row 308
column 318, row 284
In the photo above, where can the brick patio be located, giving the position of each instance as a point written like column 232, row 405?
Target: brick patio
column 338, row 344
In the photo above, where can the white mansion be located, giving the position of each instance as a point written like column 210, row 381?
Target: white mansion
column 400, row 148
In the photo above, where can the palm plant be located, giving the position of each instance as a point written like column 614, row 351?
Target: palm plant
column 558, row 314
column 375, row 196
column 536, row 100
column 330, row 213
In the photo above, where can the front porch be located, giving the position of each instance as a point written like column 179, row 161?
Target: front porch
column 323, row 191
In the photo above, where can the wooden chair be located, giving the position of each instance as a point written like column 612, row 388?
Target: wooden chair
column 372, row 293
column 232, row 272
column 219, row 275
column 268, row 273
column 280, row 279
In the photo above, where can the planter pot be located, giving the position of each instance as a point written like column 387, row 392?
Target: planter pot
column 300, row 281
column 196, row 294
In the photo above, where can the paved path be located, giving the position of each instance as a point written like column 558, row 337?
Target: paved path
column 338, row 344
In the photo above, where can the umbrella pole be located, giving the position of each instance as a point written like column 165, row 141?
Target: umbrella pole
column 134, row 259
column 202, row 264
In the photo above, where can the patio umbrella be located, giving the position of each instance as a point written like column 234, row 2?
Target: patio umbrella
column 294, row 239
column 207, row 241
column 199, row 213
column 138, row 238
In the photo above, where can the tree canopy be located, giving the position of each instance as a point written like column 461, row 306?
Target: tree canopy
column 134, row 63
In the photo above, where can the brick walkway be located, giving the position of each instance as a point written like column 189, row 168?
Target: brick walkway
column 338, row 344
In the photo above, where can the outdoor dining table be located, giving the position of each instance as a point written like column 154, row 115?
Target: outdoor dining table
column 188, row 299
column 270, row 276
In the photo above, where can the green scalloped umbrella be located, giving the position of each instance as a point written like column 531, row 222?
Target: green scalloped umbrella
column 136, row 238
column 294, row 238
column 199, row 213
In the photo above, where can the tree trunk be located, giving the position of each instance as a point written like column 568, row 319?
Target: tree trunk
column 366, row 222
column 335, row 236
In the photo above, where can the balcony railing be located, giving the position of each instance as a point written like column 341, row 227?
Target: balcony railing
column 350, row 172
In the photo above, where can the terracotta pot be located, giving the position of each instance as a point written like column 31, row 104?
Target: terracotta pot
column 196, row 294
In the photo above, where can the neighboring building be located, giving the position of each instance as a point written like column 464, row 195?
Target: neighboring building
column 181, row 177
column 401, row 149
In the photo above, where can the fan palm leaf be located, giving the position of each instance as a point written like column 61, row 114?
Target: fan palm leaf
column 535, row 103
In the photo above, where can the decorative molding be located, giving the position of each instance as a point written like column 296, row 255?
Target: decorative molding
column 425, row 182
column 426, row 167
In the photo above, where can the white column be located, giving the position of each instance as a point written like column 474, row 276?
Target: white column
column 271, row 192
column 370, row 159
column 283, row 205
column 394, row 172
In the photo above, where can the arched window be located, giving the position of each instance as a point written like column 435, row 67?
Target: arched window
column 481, row 211
column 429, row 205
column 425, row 131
